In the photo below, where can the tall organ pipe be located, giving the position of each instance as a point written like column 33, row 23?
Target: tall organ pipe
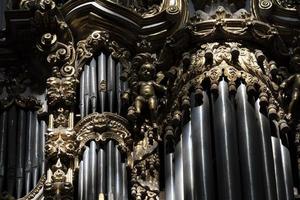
column 226, row 146
column 3, row 145
column 82, row 93
column 124, row 184
column 101, row 171
column 118, row 86
column 111, row 165
column 268, row 165
column 93, row 86
column 179, row 182
column 102, row 81
column 276, row 147
column 11, row 161
column 202, row 151
column 187, row 153
column 111, row 80
column 80, row 181
column 118, row 175
column 35, row 130
column 86, row 168
column 86, row 89
column 21, row 139
column 29, row 141
column 287, row 172
column 249, row 147
column 92, row 171
column 169, row 170
column 43, row 130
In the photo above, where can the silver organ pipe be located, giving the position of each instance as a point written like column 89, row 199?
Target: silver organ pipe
column 3, row 146
column 35, row 126
column 86, row 169
column 111, row 165
column 111, row 81
column 276, row 147
column 179, row 183
column 82, row 93
column 119, row 86
column 187, row 153
column 101, row 171
column 11, row 158
column 268, row 165
column 169, row 170
column 86, row 89
column 21, row 136
column 228, row 172
column 93, row 85
column 249, row 147
column 80, row 181
column 202, row 150
column 118, row 174
column 124, row 182
column 102, row 82
column 28, row 161
column 287, row 172
column 92, row 171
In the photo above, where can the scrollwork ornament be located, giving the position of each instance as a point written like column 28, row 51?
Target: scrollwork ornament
column 265, row 4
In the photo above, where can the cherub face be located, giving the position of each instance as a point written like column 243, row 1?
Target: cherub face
column 147, row 71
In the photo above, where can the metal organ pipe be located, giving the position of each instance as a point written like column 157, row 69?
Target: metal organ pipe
column 28, row 162
column 101, row 171
column 82, row 93
column 249, row 147
column 92, row 171
column 21, row 139
column 11, row 161
column 179, row 183
column 93, row 86
column 111, row 81
column 3, row 145
column 268, row 165
column 169, row 170
column 187, row 153
column 287, row 172
column 226, row 146
column 86, row 174
column 81, row 181
column 118, row 175
column 86, row 89
column 119, row 86
column 102, row 81
column 202, row 151
column 111, row 166
column 35, row 130
column 124, row 182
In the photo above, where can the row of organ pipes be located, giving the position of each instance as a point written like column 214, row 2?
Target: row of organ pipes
column 102, row 171
column 229, row 149
column 22, row 140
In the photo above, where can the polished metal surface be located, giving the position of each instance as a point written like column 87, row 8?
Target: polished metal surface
column 3, row 145
column 264, row 136
column 21, row 143
column 101, row 171
column 87, row 92
column 280, row 185
column 93, row 85
column 82, row 94
column 111, row 84
column 86, row 169
column 179, row 180
column 250, row 150
column 187, row 155
column 92, row 171
column 124, row 183
column 29, row 144
column 226, row 148
column 202, row 151
column 119, row 86
column 287, row 172
column 118, row 175
column 35, row 158
column 102, row 82
column 11, row 148
column 80, row 181
column 111, row 166
column 169, row 176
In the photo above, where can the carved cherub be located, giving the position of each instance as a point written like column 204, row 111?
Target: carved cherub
column 147, row 89
column 291, row 88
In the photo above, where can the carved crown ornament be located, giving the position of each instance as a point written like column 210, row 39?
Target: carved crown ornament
column 103, row 127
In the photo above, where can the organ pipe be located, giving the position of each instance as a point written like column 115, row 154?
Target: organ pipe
column 102, row 81
column 93, row 85
column 228, row 171
column 111, row 81
column 179, row 183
